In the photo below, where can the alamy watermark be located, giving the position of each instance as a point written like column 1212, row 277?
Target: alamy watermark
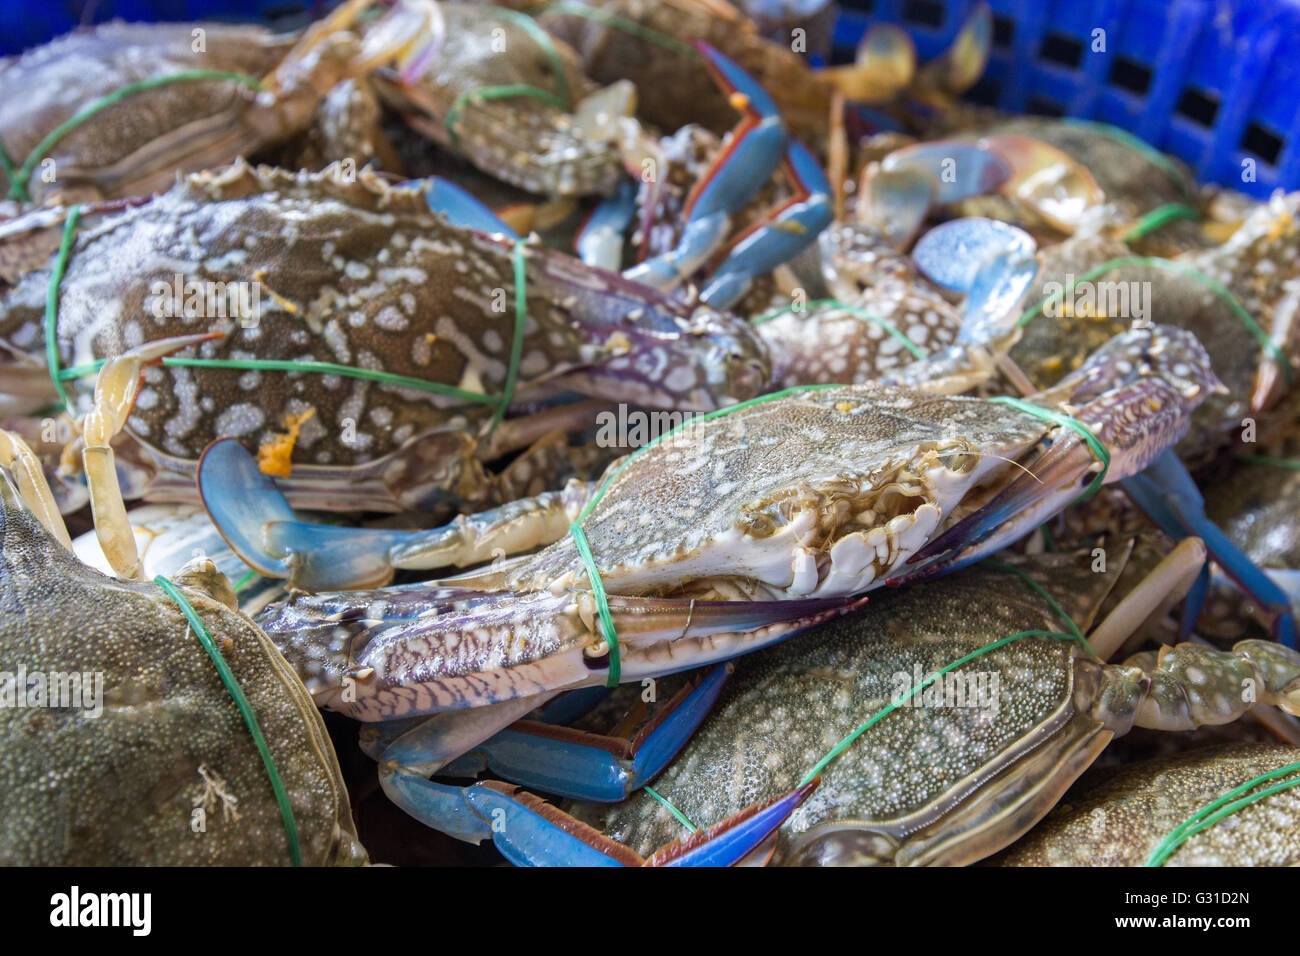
column 977, row 690
column 24, row 688
column 206, row 299
column 1123, row 300
column 635, row 427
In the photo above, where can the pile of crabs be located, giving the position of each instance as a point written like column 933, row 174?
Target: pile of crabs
column 985, row 452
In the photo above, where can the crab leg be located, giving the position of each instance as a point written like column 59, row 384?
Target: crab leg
column 32, row 486
column 260, row 526
column 115, row 393
column 1166, row 492
column 1136, row 419
column 757, row 146
column 588, row 766
column 530, row 832
column 782, row 235
column 462, row 208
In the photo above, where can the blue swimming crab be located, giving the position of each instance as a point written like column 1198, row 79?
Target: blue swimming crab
column 1121, row 816
column 944, row 765
column 398, row 327
column 152, row 763
column 233, row 90
column 750, row 528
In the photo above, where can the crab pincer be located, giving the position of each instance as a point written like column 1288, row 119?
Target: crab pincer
column 757, row 147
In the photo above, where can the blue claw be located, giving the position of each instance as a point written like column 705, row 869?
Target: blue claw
column 778, row 238
column 991, row 262
column 753, row 152
column 1167, row 493
column 953, row 254
column 587, row 766
column 999, row 286
column 962, row 169
column 241, row 501
column 260, row 526
column 530, row 832
column 461, row 208
column 700, row 239
column 438, row 805
column 732, row 840
column 600, row 240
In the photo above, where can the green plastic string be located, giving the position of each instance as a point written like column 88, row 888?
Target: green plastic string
column 1158, row 218
column 516, row 346
column 630, row 27
column 245, row 709
column 889, row 708
column 1099, row 451
column 52, row 302
column 584, row 546
column 1041, row 591
column 18, row 180
column 245, row 581
column 1290, row 463
column 496, row 93
column 682, row 818
column 7, row 166
column 1124, row 137
column 502, row 401
column 854, row 311
column 1224, row 806
column 1211, row 283
column 547, row 44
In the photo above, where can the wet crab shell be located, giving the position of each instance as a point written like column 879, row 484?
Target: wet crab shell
column 122, row 787
column 357, row 273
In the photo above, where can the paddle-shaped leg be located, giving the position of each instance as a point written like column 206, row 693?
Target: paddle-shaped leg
column 530, row 832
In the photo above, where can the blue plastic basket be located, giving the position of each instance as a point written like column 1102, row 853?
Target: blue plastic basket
column 1214, row 82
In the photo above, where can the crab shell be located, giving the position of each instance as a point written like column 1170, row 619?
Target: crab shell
column 1259, row 265
column 520, row 140
column 122, row 787
column 135, row 146
column 1119, row 816
column 672, row 88
column 358, row 273
column 943, row 780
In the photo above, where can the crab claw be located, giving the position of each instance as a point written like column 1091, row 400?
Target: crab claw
column 587, row 766
column 530, row 832
column 779, row 236
column 258, row 523
column 752, row 152
column 990, row 261
column 960, row 66
column 462, row 208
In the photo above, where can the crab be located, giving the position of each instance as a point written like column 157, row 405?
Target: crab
column 93, row 115
column 649, row 43
column 961, row 767
column 1120, row 816
column 750, row 529
column 365, row 281
column 514, row 102
column 159, row 768
column 725, row 183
